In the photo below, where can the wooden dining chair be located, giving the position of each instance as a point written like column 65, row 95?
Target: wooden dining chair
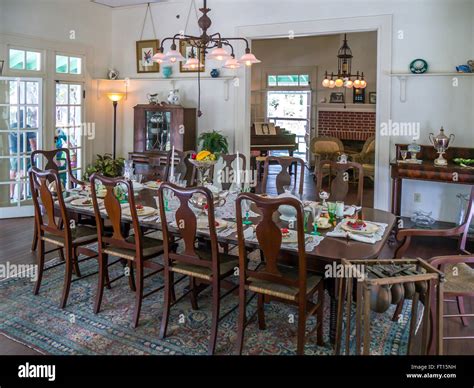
column 55, row 228
column 404, row 236
column 136, row 249
column 228, row 170
column 202, row 265
column 459, row 284
column 271, row 279
column 50, row 160
column 283, row 178
column 339, row 184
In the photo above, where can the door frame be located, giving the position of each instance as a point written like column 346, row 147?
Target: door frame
column 27, row 210
column 382, row 24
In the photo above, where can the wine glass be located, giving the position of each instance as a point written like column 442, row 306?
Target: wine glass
column 246, row 209
column 316, row 210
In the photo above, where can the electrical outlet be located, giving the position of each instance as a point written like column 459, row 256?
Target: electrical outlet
column 417, row 197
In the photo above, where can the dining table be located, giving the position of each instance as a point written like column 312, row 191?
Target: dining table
column 327, row 251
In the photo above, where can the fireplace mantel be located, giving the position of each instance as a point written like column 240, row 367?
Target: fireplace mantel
column 349, row 107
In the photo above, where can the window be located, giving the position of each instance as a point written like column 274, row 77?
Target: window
column 290, row 110
column 69, row 122
column 68, row 65
column 24, row 60
column 288, row 80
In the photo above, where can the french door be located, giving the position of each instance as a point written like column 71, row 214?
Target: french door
column 21, row 107
column 70, row 129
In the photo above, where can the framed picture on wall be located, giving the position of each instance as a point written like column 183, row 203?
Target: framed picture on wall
column 145, row 51
column 186, row 51
column 336, row 98
column 359, row 96
column 372, row 97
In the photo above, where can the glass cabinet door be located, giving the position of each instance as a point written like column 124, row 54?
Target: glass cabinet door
column 158, row 130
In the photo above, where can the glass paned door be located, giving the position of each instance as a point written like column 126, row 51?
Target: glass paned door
column 20, row 134
column 291, row 110
column 69, row 125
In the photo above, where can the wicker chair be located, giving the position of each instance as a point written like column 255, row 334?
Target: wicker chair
column 367, row 158
column 325, row 148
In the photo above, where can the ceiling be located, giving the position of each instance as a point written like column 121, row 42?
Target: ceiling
column 125, row 3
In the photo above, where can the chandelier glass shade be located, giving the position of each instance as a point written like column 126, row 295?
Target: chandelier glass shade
column 344, row 77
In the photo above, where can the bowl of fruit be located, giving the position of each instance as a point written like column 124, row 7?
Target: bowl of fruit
column 203, row 161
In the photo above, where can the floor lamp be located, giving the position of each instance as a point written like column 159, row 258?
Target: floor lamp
column 115, row 98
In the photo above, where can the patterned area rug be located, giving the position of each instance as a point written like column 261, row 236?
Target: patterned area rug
column 39, row 323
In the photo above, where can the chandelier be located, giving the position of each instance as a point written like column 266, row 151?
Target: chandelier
column 213, row 46
column 344, row 77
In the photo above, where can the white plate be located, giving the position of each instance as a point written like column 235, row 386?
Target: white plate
column 203, row 223
column 80, row 202
column 153, row 185
column 368, row 229
column 146, row 211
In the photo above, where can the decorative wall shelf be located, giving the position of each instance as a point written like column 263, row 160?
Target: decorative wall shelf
column 402, row 78
column 173, row 81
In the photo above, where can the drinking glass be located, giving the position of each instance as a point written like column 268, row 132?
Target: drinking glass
column 246, row 209
column 316, row 210
column 332, row 211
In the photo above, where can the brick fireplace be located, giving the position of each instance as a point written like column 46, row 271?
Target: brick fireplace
column 346, row 125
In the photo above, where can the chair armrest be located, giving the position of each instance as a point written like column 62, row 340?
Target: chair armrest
column 402, row 233
column 439, row 261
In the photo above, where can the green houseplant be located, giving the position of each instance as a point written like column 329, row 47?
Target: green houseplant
column 214, row 142
column 105, row 165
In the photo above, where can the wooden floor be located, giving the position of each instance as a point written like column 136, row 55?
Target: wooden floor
column 15, row 243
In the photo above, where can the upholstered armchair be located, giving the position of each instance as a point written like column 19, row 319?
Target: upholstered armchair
column 325, row 148
column 367, row 158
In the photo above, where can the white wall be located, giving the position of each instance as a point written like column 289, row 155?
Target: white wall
column 46, row 25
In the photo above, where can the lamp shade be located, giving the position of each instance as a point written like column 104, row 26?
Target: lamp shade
column 159, row 58
column 174, row 56
column 325, row 83
column 231, row 63
column 349, row 84
column 248, row 59
column 363, row 84
column 192, row 64
column 115, row 96
column 339, row 82
column 219, row 54
column 332, row 84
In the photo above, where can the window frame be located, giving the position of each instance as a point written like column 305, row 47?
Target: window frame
column 69, row 76
column 8, row 71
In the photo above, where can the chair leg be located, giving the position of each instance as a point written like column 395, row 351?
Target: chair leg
column 131, row 277
column 100, row 286
column 61, row 254
column 320, row 315
column 261, row 311
column 398, row 310
column 241, row 321
column 172, row 292
column 76, row 269
column 460, row 303
column 40, row 259
column 192, row 286
column 138, row 293
column 215, row 315
column 67, row 275
column 166, row 304
column 34, row 243
column 301, row 328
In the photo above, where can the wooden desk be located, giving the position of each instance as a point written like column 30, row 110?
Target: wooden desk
column 427, row 171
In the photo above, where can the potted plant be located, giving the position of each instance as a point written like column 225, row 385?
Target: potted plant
column 106, row 166
column 214, row 142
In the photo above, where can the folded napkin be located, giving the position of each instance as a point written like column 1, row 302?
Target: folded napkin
column 369, row 238
column 311, row 242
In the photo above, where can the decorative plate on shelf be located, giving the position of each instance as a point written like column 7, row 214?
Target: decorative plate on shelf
column 418, row 66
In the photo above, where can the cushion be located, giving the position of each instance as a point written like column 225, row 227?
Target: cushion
column 152, row 247
column 81, row 235
column 227, row 264
column 326, row 147
column 463, row 282
column 280, row 290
